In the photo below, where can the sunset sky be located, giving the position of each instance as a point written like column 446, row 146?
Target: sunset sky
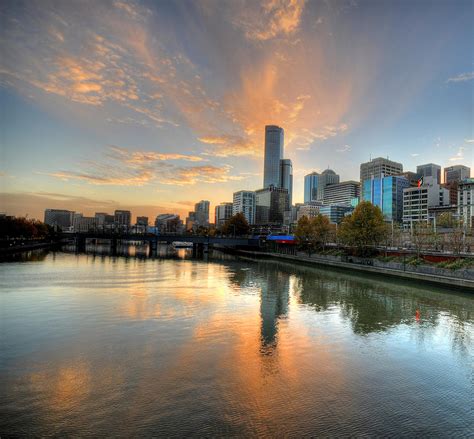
column 155, row 105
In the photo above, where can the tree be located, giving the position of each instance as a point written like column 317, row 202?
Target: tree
column 422, row 235
column 364, row 229
column 320, row 231
column 303, row 234
column 446, row 220
column 236, row 225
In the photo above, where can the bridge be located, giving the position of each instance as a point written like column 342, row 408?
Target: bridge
column 200, row 243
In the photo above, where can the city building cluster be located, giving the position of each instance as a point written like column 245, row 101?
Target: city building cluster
column 404, row 197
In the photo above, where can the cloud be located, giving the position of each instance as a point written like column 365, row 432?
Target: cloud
column 459, row 155
column 230, row 145
column 122, row 167
column 415, row 154
column 462, row 77
column 344, row 148
column 468, row 140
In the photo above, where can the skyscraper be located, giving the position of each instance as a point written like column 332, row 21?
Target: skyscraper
column 341, row 193
column 430, row 170
column 244, row 201
column 311, row 187
column 273, row 155
column 456, row 173
column 286, row 178
column 378, row 167
column 270, row 205
column 327, row 177
column 201, row 211
column 59, row 218
column 222, row 213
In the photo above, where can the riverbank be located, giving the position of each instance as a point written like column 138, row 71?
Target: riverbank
column 461, row 280
column 26, row 247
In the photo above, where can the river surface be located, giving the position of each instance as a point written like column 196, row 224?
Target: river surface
column 93, row 345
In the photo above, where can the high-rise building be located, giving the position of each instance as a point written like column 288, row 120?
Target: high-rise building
column 327, row 177
column 417, row 200
column 386, row 193
column 244, row 202
column 453, row 175
column 311, row 187
column 411, row 176
column 270, row 205
column 201, row 213
column 378, row 167
column 223, row 212
column 122, row 219
column 104, row 221
column 190, row 221
column 286, row 178
column 168, row 223
column 341, row 193
column 335, row 212
column 142, row 221
column 59, row 218
column 274, row 139
column 466, row 201
column 84, row 223
column 430, row 170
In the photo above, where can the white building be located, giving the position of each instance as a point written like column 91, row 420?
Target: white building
column 341, row 193
column 244, row 202
column 465, row 201
column 309, row 210
column 417, row 200
column 223, row 212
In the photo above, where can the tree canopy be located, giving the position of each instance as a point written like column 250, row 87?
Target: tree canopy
column 236, row 225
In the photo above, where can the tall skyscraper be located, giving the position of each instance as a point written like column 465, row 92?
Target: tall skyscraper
column 378, row 167
column 244, row 202
column 311, row 187
column 286, row 178
column 270, row 205
column 274, row 138
column 430, row 170
column 201, row 213
column 327, row 177
column 222, row 213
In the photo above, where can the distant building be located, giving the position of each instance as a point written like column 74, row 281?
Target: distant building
column 84, row 223
column 456, row 173
column 309, row 210
column 335, row 212
column 386, row 193
column 311, row 187
column 466, row 201
column 201, row 213
column 286, row 177
column 59, row 218
column 378, row 167
column 168, row 223
column 270, row 205
column 274, row 139
column 223, row 212
column 104, row 221
column 142, row 221
column 122, row 219
column 412, row 177
column 341, row 193
column 430, row 170
column 244, row 201
column 326, row 178
column 417, row 200
column 190, row 221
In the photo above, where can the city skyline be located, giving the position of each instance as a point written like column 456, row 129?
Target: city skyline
column 152, row 107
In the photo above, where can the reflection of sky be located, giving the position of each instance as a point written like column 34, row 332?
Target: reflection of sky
column 169, row 346
column 154, row 105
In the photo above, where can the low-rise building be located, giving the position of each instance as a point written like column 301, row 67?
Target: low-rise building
column 169, row 223
column 335, row 212
column 465, row 201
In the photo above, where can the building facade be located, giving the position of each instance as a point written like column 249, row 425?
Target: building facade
column 274, row 144
column 286, row 178
column 59, row 218
column 456, row 173
column 122, row 219
column 378, row 167
column 104, row 221
column 84, row 223
column 430, row 170
column 335, row 212
column 270, row 205
column 168, row 223
column 244, row 202
column 341, row 193
column 326, row 178
column 222, row 213
column 465, row 201
column 386, row 193
column 311, row 187
column 201, row 213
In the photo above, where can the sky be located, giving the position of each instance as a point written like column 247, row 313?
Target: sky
column 155, row 105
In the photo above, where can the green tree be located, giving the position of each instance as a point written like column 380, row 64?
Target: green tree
column 236, row 225
column 364, row 229
column 320, row 231
column 303, row 234
column 422, row 235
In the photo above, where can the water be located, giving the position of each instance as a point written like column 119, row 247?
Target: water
column 112, row 346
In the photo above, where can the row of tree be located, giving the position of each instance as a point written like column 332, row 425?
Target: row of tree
column 23, row 228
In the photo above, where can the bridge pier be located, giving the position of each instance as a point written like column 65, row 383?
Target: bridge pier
column 113, row 245
column 80, row 242
column 153, row 247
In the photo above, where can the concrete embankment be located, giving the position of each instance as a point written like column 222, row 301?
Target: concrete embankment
column 437, row 276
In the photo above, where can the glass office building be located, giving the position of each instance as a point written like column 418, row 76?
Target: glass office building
column 311, row 187
column 386, row 193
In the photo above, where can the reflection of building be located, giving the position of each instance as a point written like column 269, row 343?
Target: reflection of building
column 244, row 202
column 430, row 170
column 465, row 201
column 386, row 193
column 378, row 167
column 222, row 213
column 341, row 193
column 273, row 155
column 270, row 205
column 58, row 218
column 273, row 304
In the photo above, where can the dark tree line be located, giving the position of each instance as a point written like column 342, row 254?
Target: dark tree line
column 23, row 228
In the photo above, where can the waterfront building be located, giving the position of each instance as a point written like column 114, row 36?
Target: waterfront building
column 104, row 221
column 378, row 167
column 142, row 221
column 417, row 200
column 341, row 193
column 326, row 178
column 386, row 193
column 84, row 223
column 122, row 219
column 274, row 139
column 201, row 213
column 466, row 201
column 335, row 212
column 190, row 221
column 430, row 170
column 222, row 213
column 286, row 178
column 270, row 205
column 168, row 223
column 244, row 202
column 311, row 187
column 59, row 218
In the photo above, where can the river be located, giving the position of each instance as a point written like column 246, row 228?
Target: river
column 94, row 345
